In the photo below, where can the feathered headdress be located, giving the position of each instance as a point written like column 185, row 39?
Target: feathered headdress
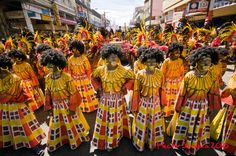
column 97, row 37
column 25, row 41
column 37, row 37
column 142, row 36
column 228, row 32
column 204, row 34
column 83, row 33
column 216, row 42
column 1, row 47
column 9, row 43
column 192, row 43
column 172, row 37
column 188, row 30
column 67, row 37
column 48, row 41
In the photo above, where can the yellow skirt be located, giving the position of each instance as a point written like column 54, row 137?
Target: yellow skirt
column 19, row 127
column 35, row 94
column 64, row 128
column 89, row 101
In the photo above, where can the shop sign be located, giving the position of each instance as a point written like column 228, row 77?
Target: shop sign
column 15, row 14
column 46, row 18
column 33, row 15
column 198, row 6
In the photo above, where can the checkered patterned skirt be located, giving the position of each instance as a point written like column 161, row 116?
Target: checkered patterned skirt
column 171, row 89
column 89, row 101
column 36, row 95
column 229, row 134
column 149, row 124
column 193, row 126
column 64, row 128
column 19, row 127
column 112, row 122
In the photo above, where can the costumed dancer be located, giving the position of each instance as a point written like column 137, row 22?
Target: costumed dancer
column 138, row 65
column 113, row 80
column 41, row 70
column 228, row 117
column 18, row 125
column 198, row 96
column 9, row 45
column 173, row 73
column 62, row 46
column 30, row 81
column 220, row 69
column 148, row 100
column 67, row 123
column 80, row 70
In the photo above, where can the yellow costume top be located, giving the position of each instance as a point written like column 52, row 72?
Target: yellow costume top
column 197, row 88
column 25, row 72
column 11, row 90
column 148, row 84
column 172, row 68
column 138, row 65
column 113, row 80
column 61, row 89
column 79, row 65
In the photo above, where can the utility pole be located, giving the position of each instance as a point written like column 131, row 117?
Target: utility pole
column 150, row 20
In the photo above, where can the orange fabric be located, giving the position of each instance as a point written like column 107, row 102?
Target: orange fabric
column 25, row 72
column 79, row 66
column 163, row 97
column 11, row 90
column 172, row 68
column 48, row 101
column 75, row 100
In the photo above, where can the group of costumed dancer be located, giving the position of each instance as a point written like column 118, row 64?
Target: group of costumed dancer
column 172, row 73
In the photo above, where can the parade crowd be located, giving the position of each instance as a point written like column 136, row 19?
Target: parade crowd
column 173, row 73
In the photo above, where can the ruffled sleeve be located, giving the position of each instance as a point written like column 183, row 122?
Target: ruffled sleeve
column 15, row 92
column 162, row 94
column 68, row 69
column 181, row 97
column 129, row 85
column 214, row 99
column 164, row 70
column 87, row 67
column 48, row 96
column 32, row 75
column 48, row 100
column 75, row 97
column 96, row 81
column 136, row 94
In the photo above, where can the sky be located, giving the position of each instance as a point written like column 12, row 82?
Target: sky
column 117, row 11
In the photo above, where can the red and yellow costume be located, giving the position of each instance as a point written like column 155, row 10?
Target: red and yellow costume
column 229, row 117
column 148, row 98
column 62, row 96
column 112, row 121
column 80, row 70
column 30, row 84
column 18, row 125
column 9, row 45
column 173, row 73
column 197, row 95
